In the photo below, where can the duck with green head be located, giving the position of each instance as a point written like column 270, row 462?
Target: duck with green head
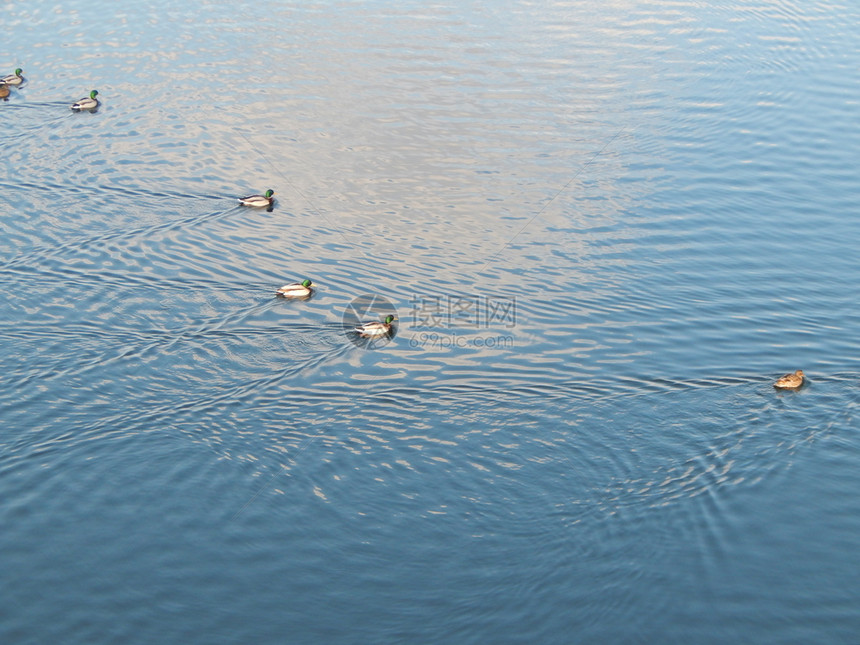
column 258, row 201
column 301, row 289
column 13, row 79
column 375, row 328
column 87, row 103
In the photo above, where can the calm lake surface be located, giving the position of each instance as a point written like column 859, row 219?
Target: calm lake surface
column 605, row 229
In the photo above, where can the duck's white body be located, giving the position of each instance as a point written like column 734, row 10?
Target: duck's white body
column 296, row 289
column 375, row 328
column 13, row 79
column 88, row 103
column 258, row 201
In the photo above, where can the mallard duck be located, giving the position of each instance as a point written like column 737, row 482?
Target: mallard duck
column 4, row 91
column 88, row 103
column 258, row 201
column 296, row 289
column 790, row 381
column 13, row 79
column 375, row 328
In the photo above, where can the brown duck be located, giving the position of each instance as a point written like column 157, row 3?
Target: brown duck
column 790, row 381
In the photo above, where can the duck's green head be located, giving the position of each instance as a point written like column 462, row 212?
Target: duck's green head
column 94, row 94
column 389, row 320
column 18, row 71
column 307, row 284
column 269, row 193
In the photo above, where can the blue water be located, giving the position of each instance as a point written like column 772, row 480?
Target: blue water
column 605, row 231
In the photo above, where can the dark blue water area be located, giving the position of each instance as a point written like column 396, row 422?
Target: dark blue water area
column 544, row 513
column 604, row 230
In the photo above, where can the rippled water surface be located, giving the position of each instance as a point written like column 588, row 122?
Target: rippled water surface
column 605, row 229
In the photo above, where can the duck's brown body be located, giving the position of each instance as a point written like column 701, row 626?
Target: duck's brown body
column 790, row 381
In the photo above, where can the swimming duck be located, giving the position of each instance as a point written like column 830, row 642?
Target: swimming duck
column 375, row 328
column 13, row 79
column 4, row 91
column 296, row 289
column 258, row 201
column 88, row 103
column 790, row 381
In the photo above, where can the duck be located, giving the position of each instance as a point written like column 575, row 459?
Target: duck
column 258, row 201
column 4, row 91
column 790, row 381
column 13, row 79
column 296, row 290
column 88, row 103
column 375, row 327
